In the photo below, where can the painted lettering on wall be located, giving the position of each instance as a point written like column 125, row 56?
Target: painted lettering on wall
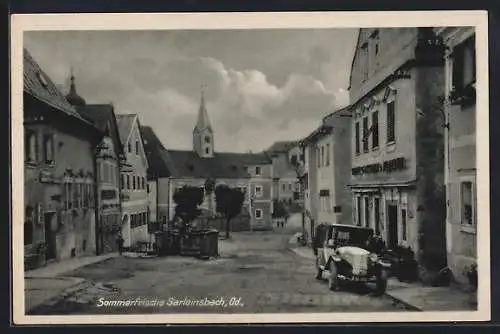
column 381, row 167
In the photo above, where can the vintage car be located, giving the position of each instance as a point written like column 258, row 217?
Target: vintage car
column 342, row 251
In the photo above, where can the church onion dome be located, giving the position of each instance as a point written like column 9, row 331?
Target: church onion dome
column 73, row 96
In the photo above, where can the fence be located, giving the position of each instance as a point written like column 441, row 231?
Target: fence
column 237, row 224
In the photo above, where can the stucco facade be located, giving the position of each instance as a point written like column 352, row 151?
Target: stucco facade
column 135, row 201
column 460, row 153
column 397, row 143
column 59, row 185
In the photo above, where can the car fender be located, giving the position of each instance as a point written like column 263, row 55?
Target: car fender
column 333, row 259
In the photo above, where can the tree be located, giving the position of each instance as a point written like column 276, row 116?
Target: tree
column 228, row 202
column 187, row 200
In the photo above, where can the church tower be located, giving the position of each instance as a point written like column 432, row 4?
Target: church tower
column 203, row 135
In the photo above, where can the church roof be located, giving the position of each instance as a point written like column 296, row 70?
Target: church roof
column 221, row 165
column 202, row 122
column 155, row 152
column 73, row 96
column 125, row 123
column 38, row 84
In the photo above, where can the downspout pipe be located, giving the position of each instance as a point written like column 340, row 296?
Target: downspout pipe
column 96, row 199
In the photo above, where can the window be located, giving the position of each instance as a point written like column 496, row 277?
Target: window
column 207, row 150
column 293, row 160
column 367, row 212
column 358, row 206
column 403, row 224
column 290, row 187
column 133, row 182
column 464, row 65
column 48, row 148
column 28, row 232
column 366, row 134
column 75, row 196
column 375, row 130
column 374, row 49
column 284, row 187
column 257, row 170
column 364, row 64
column 122, row 182
column 376, row 205
column 148, row 188
column 143, row 182
column 356, row 144
column 258, row 191
column 207, row 139
column 258, row 213
column 322, row 162
column 391, row 123
column 468, row 203
column 328, row 154
column 127, row 183
column 129, row 147
column 137, row 147
column 30, row 146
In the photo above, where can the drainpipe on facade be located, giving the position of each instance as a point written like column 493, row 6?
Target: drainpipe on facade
column 96, row 200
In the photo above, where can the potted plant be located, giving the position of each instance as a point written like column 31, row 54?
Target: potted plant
column 471, row 273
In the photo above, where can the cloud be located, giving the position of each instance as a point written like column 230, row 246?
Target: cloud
column 270, row 86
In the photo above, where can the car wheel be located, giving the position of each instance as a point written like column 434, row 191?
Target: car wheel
column 333, row 280
column 319, row 271
column 381, row 284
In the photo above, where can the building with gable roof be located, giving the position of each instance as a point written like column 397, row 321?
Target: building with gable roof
column 59, row 185
column 460, row 148
column 110, row 161
column 397, row 181
column 135, row 201
column 250, row 172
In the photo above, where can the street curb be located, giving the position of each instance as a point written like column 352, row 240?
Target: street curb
column 292, row 245
column 406, row 304
column 79, row 284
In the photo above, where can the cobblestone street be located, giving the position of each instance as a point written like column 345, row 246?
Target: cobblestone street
column 255, row 273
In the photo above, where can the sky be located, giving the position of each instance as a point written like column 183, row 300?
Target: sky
column 262, row 86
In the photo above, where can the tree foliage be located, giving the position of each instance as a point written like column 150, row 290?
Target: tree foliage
column 187, row 200
column 229, row 202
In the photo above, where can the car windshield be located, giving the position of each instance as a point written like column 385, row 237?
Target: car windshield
column 351, row 236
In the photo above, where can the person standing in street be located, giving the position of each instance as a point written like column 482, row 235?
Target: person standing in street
column 119, row 242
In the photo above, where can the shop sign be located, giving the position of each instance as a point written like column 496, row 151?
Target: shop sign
column 387, row 166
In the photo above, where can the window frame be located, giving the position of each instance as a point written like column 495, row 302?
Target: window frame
column 391, row 132
column 366, row 128
column 357, row 146
column 28, row 135
column 458, row 71
column 468, row 227
column 404, row 224
column 48, row 141
column 261, row 214
column 258, row 170
column 375, row 130
column 260, row 193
